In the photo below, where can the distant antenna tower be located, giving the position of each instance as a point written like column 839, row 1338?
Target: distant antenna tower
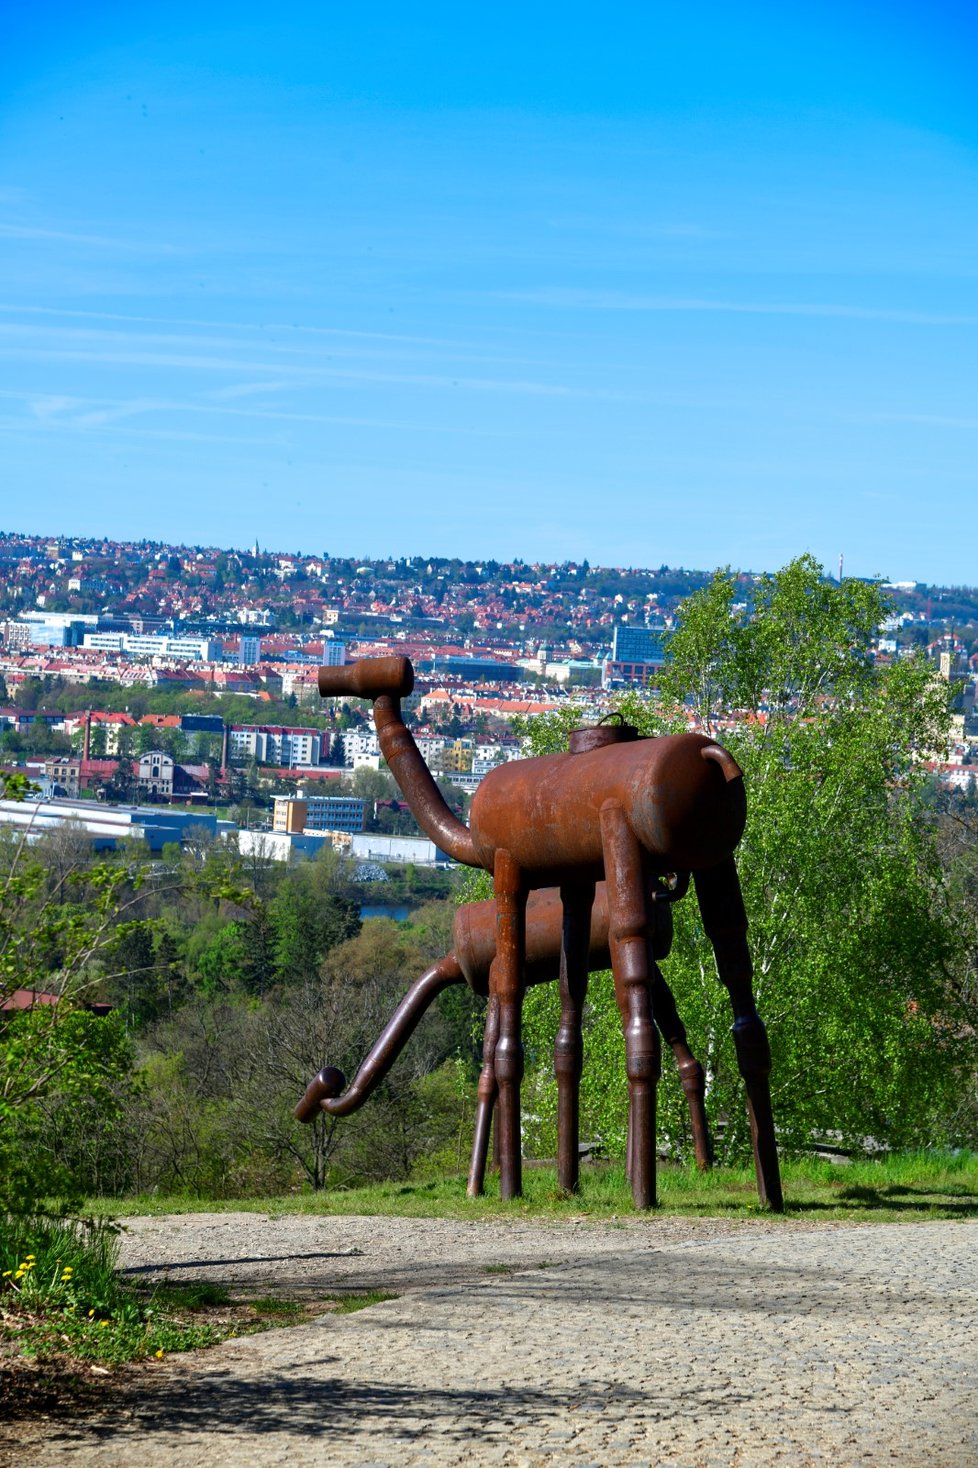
column 840, row 568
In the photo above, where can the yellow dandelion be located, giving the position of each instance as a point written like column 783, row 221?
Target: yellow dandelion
column 67, row 1269
column 103, row 1322
column 91, row 1314
column 32, row 1257
column 160, row 1355
column 6, row 1274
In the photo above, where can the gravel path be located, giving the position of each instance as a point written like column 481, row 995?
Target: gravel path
column 707, row 1343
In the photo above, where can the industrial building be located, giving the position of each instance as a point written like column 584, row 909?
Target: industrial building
column 107, row 825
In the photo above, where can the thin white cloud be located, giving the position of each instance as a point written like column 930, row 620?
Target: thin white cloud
column 51, row 404
column 246, row 390
column 102, row 242
column 280, row 338
column 96, row 414
column 256, row 326
column 188, row 361
column 932, row 420
column 612, row 301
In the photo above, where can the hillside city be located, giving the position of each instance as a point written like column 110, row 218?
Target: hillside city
column 149, row 690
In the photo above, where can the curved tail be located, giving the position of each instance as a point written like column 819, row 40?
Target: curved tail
column 326, row 1092
column 722, row 757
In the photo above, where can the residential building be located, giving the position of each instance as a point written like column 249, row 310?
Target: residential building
column 289, row 815
column 249, row 651
column 274, row 745
column 359, row 743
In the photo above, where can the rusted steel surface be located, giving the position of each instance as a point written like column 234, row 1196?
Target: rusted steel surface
column 618, row 807
column 473, row 949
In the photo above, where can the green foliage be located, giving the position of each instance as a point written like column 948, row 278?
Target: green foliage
column 15, row 786
column 56, row 928
column 60, row 1294
column 855, row 932
column 306, row 927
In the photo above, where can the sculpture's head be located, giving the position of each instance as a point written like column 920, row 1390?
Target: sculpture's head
column 329, row 1083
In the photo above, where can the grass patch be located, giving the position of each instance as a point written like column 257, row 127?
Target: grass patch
column 192, row 1296
column 61, row 1297
column 349, row 1303
column 900, row 1188
column 499, row 1269
column 276, row 1305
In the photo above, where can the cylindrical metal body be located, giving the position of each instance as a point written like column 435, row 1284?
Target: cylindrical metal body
column 474, row 938
column 684, row 796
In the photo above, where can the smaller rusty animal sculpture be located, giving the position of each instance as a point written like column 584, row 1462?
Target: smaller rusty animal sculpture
column 470, row 961
column 615, row 807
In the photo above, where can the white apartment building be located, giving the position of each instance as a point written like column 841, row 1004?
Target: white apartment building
column 334, row 653
column 359, row 744
column 492, row 752
column 432, row 747
column 136, row 645
column 367, row 761
column 271, row 745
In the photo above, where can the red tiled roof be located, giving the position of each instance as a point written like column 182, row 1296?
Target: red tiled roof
column 28, row 999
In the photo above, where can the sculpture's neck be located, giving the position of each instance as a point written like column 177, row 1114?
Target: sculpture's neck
column 428, row 805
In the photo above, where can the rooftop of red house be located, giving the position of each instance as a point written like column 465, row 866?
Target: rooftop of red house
column 28, row 999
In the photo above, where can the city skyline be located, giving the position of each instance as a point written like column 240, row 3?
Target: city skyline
column 656, row 290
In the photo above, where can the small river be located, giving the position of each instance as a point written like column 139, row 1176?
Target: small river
column 399, row 914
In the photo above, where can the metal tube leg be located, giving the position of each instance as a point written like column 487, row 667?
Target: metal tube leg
column 673, row 1031
column 506, row 983
column 754, row 1060
column 621, row 999
column 486, row 1097
column 629, row 926
column 724, row 918
column 569, row 1044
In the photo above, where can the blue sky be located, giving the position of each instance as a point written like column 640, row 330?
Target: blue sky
column 621, row 282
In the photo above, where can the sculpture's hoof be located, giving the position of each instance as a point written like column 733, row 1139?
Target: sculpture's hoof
column 328, row 1083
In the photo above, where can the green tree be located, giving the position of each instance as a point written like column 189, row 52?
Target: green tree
column 313, row 910
column 56, row 938
column 855, row 934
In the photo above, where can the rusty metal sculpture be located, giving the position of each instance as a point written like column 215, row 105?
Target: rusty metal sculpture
column 470, row 961
column 632, row 811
